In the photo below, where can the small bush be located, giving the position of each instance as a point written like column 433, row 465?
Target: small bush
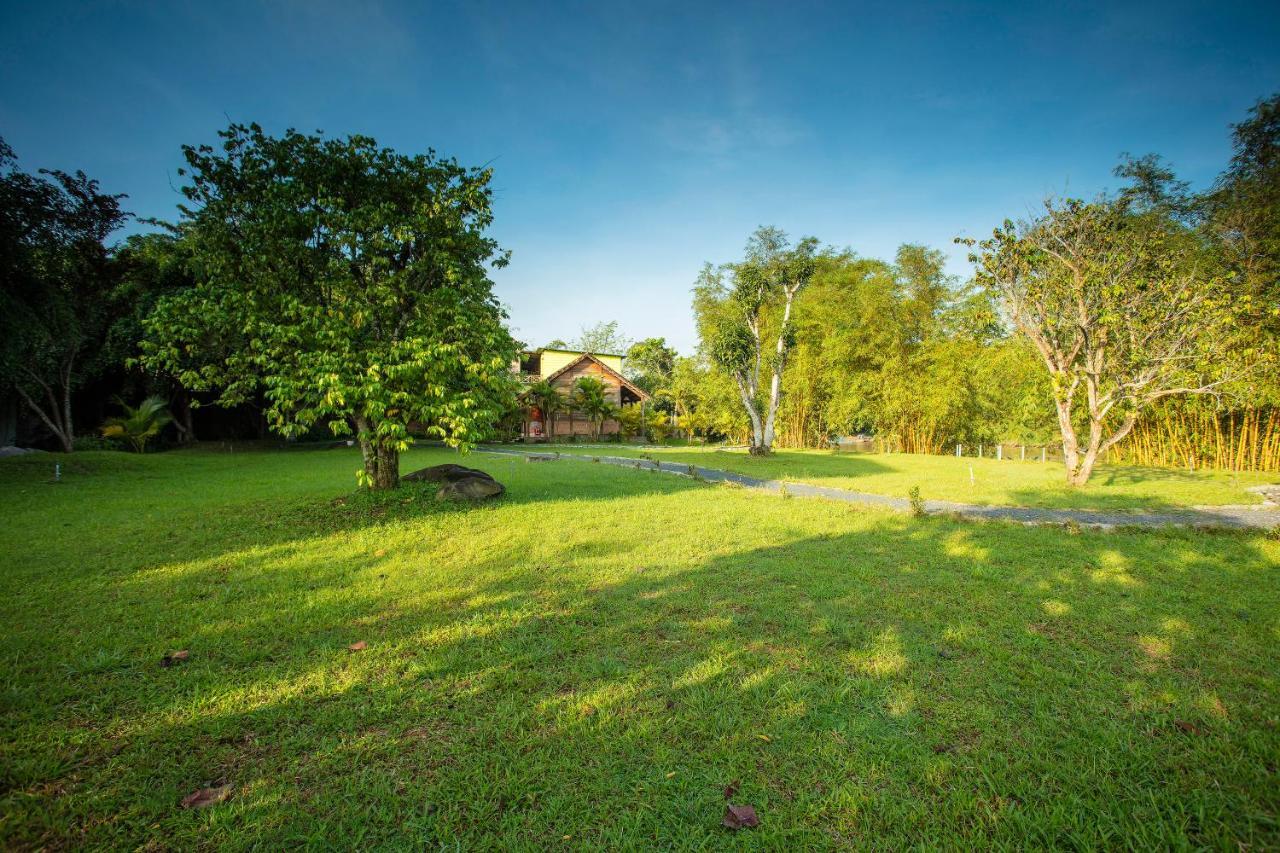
column 94, row 442
column 917, row 502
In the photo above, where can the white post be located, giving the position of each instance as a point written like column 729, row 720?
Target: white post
column 979, row 451
column 1042, row 451
column 999, row 451
column 959, row 447
column 1023, row 448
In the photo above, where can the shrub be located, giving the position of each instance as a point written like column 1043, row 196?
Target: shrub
column 917, row 502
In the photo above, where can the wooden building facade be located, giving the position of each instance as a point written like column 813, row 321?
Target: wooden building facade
column 563, row 368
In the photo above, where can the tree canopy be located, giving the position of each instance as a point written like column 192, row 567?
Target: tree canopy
column 56, row 297
column 743, row 312
column 347, row 281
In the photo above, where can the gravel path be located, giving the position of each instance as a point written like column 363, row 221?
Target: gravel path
column 1262, row 516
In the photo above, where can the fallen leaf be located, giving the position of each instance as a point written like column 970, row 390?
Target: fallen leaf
column 206, row 797
column 739, row 817
column 731, row 789
column 765, row 738
column 1189, row 728
column 381, row 552
column 358, row 647
column 671, row 774
column 175, row 658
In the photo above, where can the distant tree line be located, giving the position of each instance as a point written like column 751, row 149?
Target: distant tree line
column 334, row 287
column 1144, row 324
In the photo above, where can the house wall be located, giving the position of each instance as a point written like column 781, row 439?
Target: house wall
column 553, row 360
column 579, row 425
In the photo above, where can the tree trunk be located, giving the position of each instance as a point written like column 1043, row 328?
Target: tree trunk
column 381, row 462
column 758, row 447
column 53, row 419
column 775, row 384
column 184, row 422
column 388, row 469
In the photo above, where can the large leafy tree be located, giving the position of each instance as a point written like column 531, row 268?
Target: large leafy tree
column 55, row 286
column 1244, row 210
column 744, row 318
column 1124, row 310
column 603, row 337
column 347, row 280
column 650, row 364
column 149, row 267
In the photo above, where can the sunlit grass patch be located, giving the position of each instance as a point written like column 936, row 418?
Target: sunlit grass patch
column 599, row 653
column 965, row 480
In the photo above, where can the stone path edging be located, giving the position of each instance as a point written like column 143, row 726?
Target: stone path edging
column 1261, row 516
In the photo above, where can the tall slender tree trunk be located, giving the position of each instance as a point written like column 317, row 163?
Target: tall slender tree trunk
column 757, row 447
column 775, row 383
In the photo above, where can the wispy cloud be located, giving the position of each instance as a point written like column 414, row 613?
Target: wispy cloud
column 723, row 137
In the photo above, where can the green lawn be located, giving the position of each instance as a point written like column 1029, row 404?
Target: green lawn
column 946, row 478
column 589, row 661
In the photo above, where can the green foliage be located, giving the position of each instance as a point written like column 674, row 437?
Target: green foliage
column 602, row 338
column 56, row 301
column 590, row 397
column 744, row 317
column 347, row 282
column 139, row 424
column 1124, row 308
column 650, row 364
column 548, row 398
column 1244, row 212
column 917, row 502
column 640, row 419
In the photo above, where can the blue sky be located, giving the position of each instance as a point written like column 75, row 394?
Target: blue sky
column 632, row 142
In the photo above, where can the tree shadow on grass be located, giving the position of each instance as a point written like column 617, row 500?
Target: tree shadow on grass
column 886, row 682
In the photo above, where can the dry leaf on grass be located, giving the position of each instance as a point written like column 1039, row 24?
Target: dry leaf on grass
column 175, row 658
column 1189, row 728
column 206, row 797
column 740, row 817
column 358, row 647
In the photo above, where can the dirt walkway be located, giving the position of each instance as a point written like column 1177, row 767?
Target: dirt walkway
column 1263, row 516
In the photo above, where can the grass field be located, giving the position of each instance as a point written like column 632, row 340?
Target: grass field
column 946, row 478
column 590, row 661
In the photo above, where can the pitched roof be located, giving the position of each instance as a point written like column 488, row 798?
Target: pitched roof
column 582, row 351
column 622, row 380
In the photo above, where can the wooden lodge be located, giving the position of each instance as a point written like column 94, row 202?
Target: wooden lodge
column 562, row 368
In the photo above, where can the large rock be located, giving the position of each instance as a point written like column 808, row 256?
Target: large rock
column 470, row 489
column 447, row 473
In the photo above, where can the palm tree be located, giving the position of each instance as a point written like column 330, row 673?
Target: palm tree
column 140, row 424
column 589, row 398
column 548, row 398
